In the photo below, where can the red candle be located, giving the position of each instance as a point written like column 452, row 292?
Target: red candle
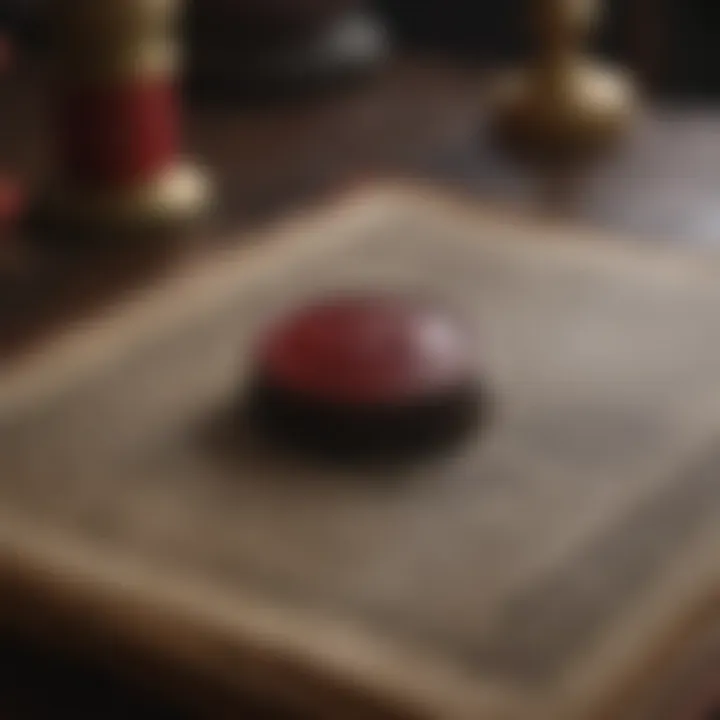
column 117, row 118
column 120, row 133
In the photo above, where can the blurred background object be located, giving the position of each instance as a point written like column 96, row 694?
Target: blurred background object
column 670, row 41
column 563, row 106
column 241, row 47
column 118, row 157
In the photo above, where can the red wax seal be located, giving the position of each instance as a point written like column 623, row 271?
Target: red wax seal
column 367, row 350
column 365, row 377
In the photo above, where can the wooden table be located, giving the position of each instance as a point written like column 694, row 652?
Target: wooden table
column 421, row 118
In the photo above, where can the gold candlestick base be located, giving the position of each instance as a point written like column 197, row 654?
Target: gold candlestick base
column 576, row 116
column 176, row 197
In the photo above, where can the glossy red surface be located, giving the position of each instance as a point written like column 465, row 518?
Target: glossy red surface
column 367, row 350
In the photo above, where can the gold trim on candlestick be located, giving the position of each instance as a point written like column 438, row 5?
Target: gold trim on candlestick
column 97, row 40
column 83, row 21
column 129, row 65
column 177, row 195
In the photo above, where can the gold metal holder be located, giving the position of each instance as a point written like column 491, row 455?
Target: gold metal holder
column 177, row 197
column 567, row 107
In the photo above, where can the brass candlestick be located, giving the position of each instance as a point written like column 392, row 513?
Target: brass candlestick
column 566, row 106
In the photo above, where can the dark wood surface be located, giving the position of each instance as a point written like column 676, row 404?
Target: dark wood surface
column 420, row 118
